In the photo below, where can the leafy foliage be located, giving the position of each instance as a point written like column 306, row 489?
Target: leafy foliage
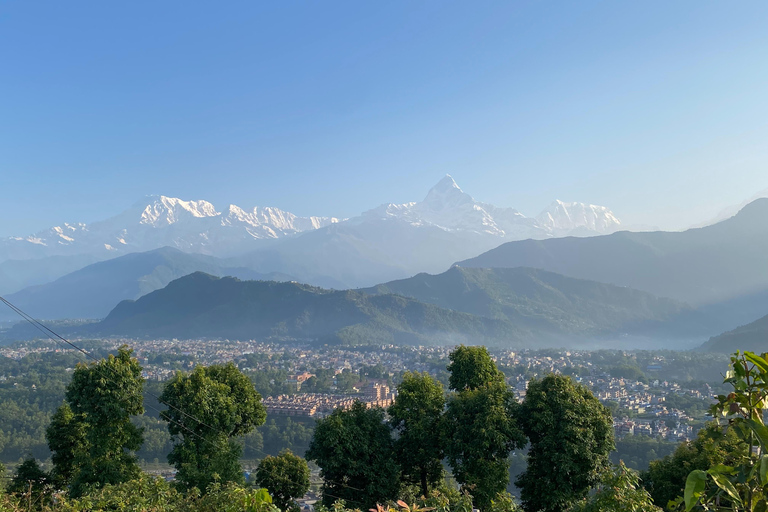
column 665, row 478
column 741, row 485
column 355, row 452
column 472, row 368
column 480, row 425
column 286, row 477
column 619, row 491
column 416, row 416
column 571, row 435
column 102, row 397
column 29, row 477
column 206, row 410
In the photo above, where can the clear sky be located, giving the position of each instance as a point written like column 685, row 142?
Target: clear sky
column 658, row 110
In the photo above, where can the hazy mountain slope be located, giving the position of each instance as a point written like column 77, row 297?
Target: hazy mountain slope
column 698, row 266
column 536, row 299
column 349, row 255
column 399, row 240
column 93, row 291
column 18, row 274
column 384, row 243
column 200, row 305
column 752, row 337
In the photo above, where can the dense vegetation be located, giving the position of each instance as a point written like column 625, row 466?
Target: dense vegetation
column 748, row 337
column 537, row 300
column 237, row 309
column 367, row 457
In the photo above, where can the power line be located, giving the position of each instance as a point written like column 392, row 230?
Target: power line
column 54, row 336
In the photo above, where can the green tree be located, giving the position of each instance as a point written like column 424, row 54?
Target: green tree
column 665, row 478
column 480, row 426
column 471, row 368
column 66, row 440
column 346, row 380
column 286, row 477
column 206, row 410
column 29, row 476
column 416, row 416
column 103, row 396
column 741, row 485
column 355, row 452
column 571, row 435
column 619, row 491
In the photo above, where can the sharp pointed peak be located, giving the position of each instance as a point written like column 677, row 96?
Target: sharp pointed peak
column 446, row 183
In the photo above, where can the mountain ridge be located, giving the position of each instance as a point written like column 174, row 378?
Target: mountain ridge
column 388, row 242
column 200, row 305
column 537, row 299
column 92, row 291
column 698, row 266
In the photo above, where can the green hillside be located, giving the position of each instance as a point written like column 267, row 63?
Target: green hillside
column 201, row 305
column 537, row 300
column 752, row 337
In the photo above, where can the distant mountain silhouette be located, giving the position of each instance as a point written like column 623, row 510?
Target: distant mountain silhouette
column 93, row 291
column 699, row 266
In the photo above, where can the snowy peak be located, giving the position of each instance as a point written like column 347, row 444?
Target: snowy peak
column 163, row 211
column 561, row 217
column 159, row 221
column 273, row 222
column 448, row 207
column 446, row 195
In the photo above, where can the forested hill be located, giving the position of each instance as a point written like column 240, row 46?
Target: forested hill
column 537, row 300
column 752, row 337
column 201, row 305
column 502, row 307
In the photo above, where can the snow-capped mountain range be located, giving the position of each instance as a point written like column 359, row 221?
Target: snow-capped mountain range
column 388, row 242
column 158, row 221
column 448, row 207
column 197, row 226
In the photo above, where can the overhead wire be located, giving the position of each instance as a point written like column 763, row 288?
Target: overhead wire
column 54, row 336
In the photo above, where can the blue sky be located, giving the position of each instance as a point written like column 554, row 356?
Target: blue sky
column 656, row 109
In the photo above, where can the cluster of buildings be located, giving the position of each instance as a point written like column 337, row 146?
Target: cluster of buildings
column 644, row 403
column 678, row 432
column 318, row 405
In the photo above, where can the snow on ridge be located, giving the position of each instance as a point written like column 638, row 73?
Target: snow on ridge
column 198, row 226
column 169, row 210
column 561, row 216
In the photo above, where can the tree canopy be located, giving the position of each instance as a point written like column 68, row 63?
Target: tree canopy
column 206, row 410
column 471, row 368
column 355, row 452
column 665, row 478
column 416, row 416
column 571, row 435
column 480, row 425
column 286, row 477
column 99, row 447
